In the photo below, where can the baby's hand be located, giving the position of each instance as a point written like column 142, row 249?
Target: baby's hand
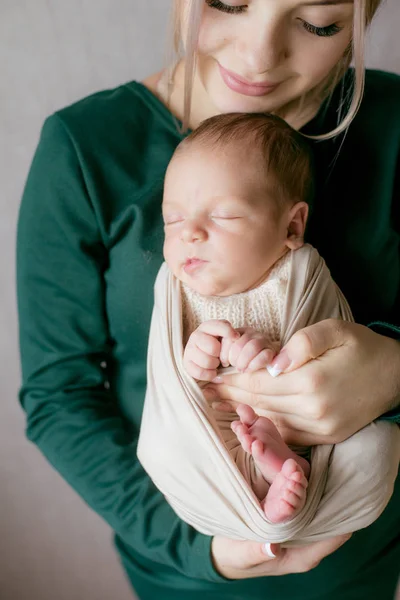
column 251, row 352
column 201, row 358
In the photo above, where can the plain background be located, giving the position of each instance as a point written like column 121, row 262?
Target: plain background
column 53, row 52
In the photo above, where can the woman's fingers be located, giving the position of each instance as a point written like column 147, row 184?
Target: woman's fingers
column 305, row 558
column 239, row 560
column 309, row 343
column 258, row 389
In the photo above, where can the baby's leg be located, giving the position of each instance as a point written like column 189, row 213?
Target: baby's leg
column 285, row 471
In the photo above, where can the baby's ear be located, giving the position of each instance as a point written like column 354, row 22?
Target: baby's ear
column 297, row 219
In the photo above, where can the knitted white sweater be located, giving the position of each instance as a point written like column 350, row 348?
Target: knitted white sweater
column 260, row 308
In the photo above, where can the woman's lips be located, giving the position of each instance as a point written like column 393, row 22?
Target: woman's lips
column 192, row 264
column 240, row 85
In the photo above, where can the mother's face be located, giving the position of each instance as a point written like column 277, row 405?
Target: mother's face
column 262, row 55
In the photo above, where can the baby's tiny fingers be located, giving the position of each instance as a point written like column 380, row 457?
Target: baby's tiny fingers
column 262, row 359
column 206, row 343
column 218, row 328
column 202, row 359
column 236, row 349
column 199, row 373
column 249, row 352
column 226, row 344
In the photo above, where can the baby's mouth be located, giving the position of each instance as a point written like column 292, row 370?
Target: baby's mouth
column 193, row 263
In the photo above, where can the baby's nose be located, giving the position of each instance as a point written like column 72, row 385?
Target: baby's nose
column 193, row 232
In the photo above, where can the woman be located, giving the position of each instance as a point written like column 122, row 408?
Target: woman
column 90, row 244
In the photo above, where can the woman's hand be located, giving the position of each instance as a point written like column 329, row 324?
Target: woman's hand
column 335, row 378
column 240, row 560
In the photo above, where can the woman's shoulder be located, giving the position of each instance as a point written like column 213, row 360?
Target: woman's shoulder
column 113, row 114
column 382, row 91
column 382, row 79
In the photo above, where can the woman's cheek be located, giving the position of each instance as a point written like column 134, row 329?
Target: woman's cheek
column 329, row 53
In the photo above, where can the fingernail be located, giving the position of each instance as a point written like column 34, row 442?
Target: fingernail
column 268, row 550
column 237, row 335
column 217, row 379
column 273, row 371
column 280, row 364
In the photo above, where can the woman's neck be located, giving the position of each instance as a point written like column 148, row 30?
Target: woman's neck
column 172, row 94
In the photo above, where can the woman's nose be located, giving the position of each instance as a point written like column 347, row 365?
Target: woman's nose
column 261, row 46
column 193, row 232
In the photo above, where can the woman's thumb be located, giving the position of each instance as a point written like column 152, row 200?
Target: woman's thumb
column 254, row 553
column 307, row 344
column 271, row 550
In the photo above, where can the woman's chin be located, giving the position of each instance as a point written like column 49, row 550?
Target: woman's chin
column 228, row 101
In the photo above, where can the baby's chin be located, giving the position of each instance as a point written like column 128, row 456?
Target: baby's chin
column 208, row 288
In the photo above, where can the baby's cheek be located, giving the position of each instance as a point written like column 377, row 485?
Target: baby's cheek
column 171, row 254
column 168, row 252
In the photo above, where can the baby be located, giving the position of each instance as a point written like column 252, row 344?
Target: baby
column 235, row 205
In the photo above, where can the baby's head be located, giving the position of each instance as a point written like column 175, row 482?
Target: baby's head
column 236, row 199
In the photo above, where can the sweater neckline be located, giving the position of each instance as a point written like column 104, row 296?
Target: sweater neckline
column 313, row 127
column 159, row 107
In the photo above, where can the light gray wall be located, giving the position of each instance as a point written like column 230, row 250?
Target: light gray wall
column 51, row 53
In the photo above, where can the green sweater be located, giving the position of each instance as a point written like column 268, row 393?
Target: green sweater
column 89, row 247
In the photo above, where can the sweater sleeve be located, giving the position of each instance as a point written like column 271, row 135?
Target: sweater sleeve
column 72, row 415
column 392, row 329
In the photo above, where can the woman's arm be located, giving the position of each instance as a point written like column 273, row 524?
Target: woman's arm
column 71, row 415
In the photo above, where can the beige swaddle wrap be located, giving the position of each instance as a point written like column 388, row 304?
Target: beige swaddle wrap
column 193, row 457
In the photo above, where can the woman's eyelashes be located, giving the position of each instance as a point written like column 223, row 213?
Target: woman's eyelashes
column 227, row 8
column 326, row 31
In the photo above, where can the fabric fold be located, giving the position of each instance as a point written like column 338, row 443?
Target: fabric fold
column 194, row 458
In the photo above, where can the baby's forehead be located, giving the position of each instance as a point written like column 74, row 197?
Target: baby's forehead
column 227, row 163
column 214, row 149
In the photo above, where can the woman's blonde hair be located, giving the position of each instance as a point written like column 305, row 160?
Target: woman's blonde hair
column 364, row 11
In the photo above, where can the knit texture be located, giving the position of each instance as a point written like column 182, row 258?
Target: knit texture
column 260, row 308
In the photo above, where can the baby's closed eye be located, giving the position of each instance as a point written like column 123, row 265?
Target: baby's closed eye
column 172, row 219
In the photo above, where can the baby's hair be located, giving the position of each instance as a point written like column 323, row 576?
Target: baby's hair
column 284, row 152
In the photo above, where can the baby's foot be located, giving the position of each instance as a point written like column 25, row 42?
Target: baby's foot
column 287, row 494
column 260, row 438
